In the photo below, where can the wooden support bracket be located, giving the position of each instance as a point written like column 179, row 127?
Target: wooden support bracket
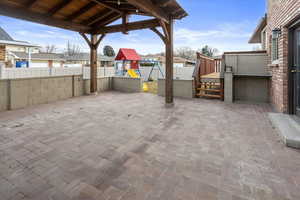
column 164, row 39
column 90, row 43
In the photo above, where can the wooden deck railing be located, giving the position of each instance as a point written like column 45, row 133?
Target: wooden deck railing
column 208, row 65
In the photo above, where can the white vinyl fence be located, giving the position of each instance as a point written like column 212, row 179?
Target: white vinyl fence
column 102, row 72
column 183, row 73
column 15, row 73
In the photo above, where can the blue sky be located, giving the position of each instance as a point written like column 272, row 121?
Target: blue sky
column 222, row 24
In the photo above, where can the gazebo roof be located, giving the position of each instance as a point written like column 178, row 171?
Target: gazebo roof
column 89, row 16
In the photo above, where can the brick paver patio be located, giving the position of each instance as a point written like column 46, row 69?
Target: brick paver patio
column 129, row 147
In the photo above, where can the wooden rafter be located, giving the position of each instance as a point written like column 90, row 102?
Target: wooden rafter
column 26, row 14
column 149, row 7
column 109, row 19
column 129, row 27
column 163, row 3
column 30, row 3
column 58, row 7
column 81, row 11
column 96, row 18
column 107, row 5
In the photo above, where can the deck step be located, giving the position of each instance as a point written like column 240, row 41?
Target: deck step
column 209, row 90
column 209, row 95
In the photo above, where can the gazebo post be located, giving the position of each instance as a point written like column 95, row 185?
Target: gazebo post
column 93, row 44
column 93, row 63
column 169, row 62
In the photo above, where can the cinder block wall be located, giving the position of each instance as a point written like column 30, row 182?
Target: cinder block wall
column 181, row 88
column 125, row 84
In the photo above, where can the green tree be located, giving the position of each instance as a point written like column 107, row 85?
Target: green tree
column 209, row 51
column 109, row 51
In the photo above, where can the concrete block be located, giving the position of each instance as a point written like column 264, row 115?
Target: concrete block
column 289, row 128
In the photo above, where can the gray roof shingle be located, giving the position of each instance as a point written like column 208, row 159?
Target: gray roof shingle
column 4, row 35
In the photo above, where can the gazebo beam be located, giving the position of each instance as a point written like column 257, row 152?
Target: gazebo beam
column 152, row 23
column 25, row 14
column 149, row 7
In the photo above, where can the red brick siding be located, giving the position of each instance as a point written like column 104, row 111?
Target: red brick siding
column 2, row 53
column 280, row 13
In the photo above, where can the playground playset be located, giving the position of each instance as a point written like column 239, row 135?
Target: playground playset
column 128, row 64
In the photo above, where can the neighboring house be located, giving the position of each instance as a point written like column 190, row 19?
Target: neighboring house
column 8, row 45
column 279, row 34
column 23, row 54
column 40, row 59
column 84, row 59
column 178, row 61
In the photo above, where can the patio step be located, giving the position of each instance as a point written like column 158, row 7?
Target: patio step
column 215, row 96
column 288, row 127
column 209, row 90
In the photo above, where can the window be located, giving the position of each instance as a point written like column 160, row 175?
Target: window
column 275, row 50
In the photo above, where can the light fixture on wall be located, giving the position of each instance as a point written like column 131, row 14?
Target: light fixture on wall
column 276, row 32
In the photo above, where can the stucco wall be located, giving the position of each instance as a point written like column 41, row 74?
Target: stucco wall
column 254, row 89
column 181, row 88
column 125, row 84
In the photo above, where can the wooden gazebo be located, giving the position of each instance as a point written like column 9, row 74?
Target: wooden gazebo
column 94, row 16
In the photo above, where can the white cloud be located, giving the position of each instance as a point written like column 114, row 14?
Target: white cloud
column 225, row 37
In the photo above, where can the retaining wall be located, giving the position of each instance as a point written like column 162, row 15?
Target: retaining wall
column 20, row 93
column 125, row 84
column 181, row 88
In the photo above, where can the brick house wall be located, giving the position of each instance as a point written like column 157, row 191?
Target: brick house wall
column 280, row 13
column 2, row 53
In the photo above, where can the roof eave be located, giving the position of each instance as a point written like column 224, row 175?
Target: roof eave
column 256, row 36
